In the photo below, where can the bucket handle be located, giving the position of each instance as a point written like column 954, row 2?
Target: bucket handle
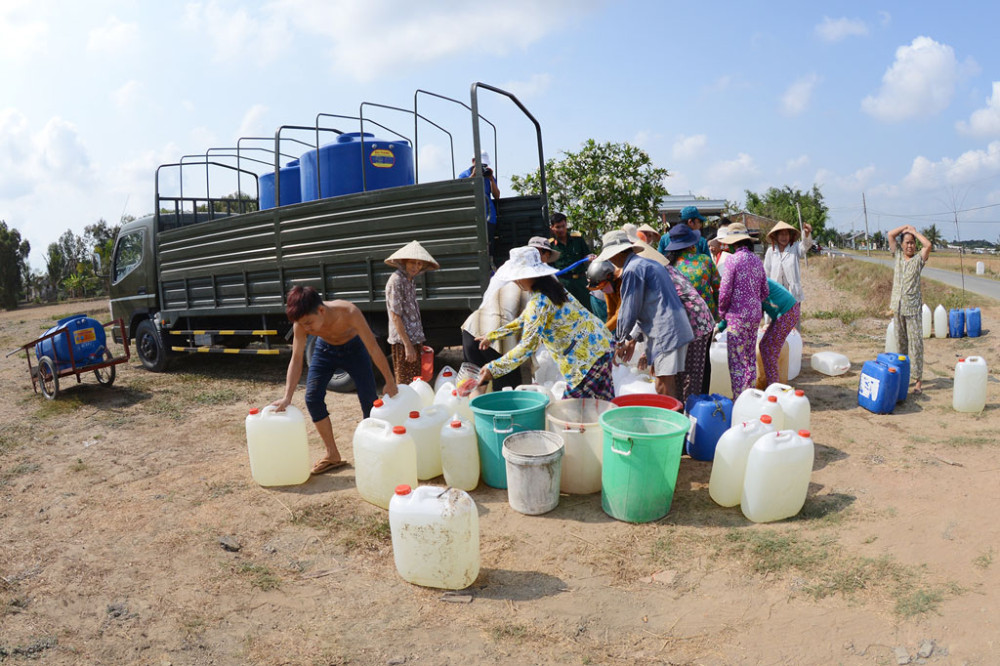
column 497, row 419
column 615, row 440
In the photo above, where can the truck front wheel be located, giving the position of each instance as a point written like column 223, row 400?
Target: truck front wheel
column 340, row 382
column 149, row 346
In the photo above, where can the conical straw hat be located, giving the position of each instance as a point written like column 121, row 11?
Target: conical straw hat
column 778, row 227
column 412, row 250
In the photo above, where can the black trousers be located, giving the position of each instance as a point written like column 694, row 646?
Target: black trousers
column 473, row 354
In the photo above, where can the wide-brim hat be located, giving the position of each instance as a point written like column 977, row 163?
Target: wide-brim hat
column 783, row 225
column 682, row 236
column 737, row 232
column 524, row 263
column 647, row 251
column 648, row 229
column 412, row 250
column 691, row 213
column 540, row 243
column 615, row 242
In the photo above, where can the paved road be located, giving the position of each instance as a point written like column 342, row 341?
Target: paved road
column 976, row 285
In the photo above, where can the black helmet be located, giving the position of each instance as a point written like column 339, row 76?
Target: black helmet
column 598, row 272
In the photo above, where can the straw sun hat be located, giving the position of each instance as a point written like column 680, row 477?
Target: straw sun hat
column 412, row 250
column 615, row 242
column 736, row 233
column 778, row 227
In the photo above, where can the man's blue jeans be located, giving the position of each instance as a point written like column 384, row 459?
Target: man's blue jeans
column 352, row 357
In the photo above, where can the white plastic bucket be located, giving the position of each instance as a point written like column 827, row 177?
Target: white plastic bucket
column 577, row 421
column 534, row 470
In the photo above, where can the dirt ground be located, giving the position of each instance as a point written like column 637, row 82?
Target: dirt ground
column 113, row 502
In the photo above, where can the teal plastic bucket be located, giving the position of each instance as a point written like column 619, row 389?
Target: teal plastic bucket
column 498, row 415
column 642, row 455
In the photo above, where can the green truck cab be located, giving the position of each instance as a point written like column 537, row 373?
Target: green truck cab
column 209, row 274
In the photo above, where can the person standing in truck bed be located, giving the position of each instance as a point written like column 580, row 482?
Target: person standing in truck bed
column 406, row 331
column 345, row 342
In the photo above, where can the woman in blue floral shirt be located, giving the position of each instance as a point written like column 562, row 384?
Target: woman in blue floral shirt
column 577, row 340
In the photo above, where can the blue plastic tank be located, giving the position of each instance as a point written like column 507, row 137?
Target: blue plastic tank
column 902, row 364
column 291, row 188
column 711, row 415
column 878, row 387
column 956, row 323
column 973, row 322
column 386, row 164
column 80, row 338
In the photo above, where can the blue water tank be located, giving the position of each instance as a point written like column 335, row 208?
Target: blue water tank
column 878, row 387
column 956, row 323
column 973, row 322
column 711, row 416
column 79, row 338
column 385, row 164
column 291, row 188
column 902, row 364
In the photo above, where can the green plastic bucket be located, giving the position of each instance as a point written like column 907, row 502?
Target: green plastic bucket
column 498, row 415
column 642, row 455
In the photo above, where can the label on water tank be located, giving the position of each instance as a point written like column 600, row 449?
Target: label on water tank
column 83, row 336
column 382, row 158
column 868, row 387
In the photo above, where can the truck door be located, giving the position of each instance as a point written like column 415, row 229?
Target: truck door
column 133, row 289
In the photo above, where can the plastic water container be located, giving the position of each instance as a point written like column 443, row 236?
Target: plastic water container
column 453, row 403
column 534, row 388
column 534, row 470
column 559, row 389
column 878, row 387
column 276, row 442
column 794, row 341
column 902, row 364
column 891, row 342
column 395, row 409
column 956, row 323
column 794, row 404
column 447, row 374
column 80, row 340
column 637, row 386
column 710, row 416
column 729, row 466
column 720, row 382
column 753, row 403
column 435, row 536
column 424, row 390
column 940, row 322
column 577, row 421
column 973, row 322
column 927, row 320
column 782, row 362
column 777, row 476
column 970, row 384
column 385, row 456
column 497, row 415
column 980, row 268
column 426, row 363
column 460, row 455
column 425, row 429
column 830, row 363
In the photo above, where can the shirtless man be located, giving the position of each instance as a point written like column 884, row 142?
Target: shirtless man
column 345, row 342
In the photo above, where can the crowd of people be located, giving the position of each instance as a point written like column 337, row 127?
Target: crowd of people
column 672, row 292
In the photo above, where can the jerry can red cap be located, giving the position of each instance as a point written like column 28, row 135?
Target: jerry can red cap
column 414, row 415
column 961, row 360
column 805, row 433
column 446, row 373
column 799, row 392
column 455, row 392
column 254, row 410
column 765, row 418
column 398, row 430
column 403, row 489
column 456, row 424
column 772, row 398
column 378, row 403
column 417, row 378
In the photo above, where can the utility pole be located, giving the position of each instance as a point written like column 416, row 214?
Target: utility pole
column 868, row 246
column 961, row 251
column 798, row 211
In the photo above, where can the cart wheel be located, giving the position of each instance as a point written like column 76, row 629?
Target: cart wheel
column 48, row 378
column 106, row 375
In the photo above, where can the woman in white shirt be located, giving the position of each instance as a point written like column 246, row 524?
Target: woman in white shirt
column 781, row 262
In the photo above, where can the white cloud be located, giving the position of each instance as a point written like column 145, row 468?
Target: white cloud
column 253, row 122
column 970, row 166
column 645, row 138
column 236, row 34
column 127, row 96
column 730, row 178
column 797, row 163
column 689, row 147
column 536, row 86
column 835, row 30
column 62, row 154
column 920, row 82
column 798, row 95
column 23, row 32
column 15, row 152
column 885, row 18
column 114, row 37
column 984, row 122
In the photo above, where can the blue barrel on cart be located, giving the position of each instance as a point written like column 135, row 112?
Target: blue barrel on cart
column 79, row 341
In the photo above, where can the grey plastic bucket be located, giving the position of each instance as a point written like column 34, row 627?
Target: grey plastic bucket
column 534, row 469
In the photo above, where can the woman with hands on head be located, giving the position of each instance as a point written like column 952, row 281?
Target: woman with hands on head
column 906, row 299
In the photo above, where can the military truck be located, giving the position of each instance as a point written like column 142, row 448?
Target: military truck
column 208, row 273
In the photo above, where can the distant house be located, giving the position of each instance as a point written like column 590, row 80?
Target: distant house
column 671, row 206
column 757, row 225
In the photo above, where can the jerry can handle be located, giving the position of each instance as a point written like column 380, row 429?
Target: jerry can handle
column 498, row 419
column 615, row 440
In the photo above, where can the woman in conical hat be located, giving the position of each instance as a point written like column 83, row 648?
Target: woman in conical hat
column 406, row 331
column 781, row 262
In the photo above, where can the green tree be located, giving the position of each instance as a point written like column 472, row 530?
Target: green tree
column 779, row 204
column 101, row 236
column 601, row 187
column 55, row 263
column 878, row 240
column 13, row 262
column 933, row 234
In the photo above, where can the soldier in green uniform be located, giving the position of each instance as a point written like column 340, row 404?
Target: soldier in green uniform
column 572, row 248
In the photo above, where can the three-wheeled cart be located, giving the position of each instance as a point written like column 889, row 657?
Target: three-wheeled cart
column 76, row 345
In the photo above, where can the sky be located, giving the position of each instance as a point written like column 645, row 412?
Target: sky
column 896, row 101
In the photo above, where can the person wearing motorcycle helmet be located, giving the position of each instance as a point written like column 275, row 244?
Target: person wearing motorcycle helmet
column 604, row 277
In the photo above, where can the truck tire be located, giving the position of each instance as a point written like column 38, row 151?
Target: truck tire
column 149, row 346
column 340, row 382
